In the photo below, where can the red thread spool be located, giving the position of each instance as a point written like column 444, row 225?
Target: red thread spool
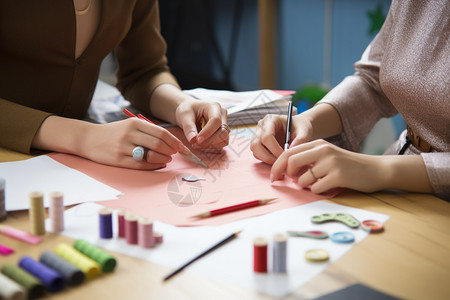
column 260, row 255
column 121, row 222
column 131, row 229
column 145, row 233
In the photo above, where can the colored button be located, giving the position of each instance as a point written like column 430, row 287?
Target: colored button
column 317, row 255
column 372, row 226
column 342, row 237
column 315, row 234
column 346, row 219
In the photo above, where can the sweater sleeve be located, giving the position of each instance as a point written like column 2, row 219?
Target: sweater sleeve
column 141, row 57
column 359, row 99
column 438, row 169
column 18, row 125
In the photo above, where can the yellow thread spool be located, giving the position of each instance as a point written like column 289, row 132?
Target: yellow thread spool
column 81, row 261
column 36, row 213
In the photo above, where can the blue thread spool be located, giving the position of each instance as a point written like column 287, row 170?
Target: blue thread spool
column 105, row 221
column 51, row 279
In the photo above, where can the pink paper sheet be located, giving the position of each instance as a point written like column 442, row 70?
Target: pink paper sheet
column 234, row 176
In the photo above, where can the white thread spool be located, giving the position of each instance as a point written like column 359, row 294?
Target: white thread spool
column 9, row 289
column 279, row 253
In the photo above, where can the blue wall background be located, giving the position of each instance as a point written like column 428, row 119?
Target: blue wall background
column 300, row 36
column 301, row 46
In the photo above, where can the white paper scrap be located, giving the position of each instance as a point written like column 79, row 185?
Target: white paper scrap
column 45, row 174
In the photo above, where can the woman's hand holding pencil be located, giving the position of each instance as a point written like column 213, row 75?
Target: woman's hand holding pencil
column 141, row 152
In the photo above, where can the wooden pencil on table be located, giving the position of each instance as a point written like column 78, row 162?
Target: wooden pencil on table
column 214, row 247
column 232, row 208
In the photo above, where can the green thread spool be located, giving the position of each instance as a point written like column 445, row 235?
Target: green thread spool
column 106, row 261
column 32, row 285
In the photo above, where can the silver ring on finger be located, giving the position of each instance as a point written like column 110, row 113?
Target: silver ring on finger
column 312, row 174
column 138, row 153
column 225, row 127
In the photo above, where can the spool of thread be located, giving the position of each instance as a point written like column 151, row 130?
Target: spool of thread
column 71, row 274
column 105, row 223
column 158, row 237
column 89, row 267
column 36, row 213
column 106, row 261
column 10, row 290
column 260, row 255
column 121, row 223
column 52, row 280
column 279, row 253
column 32, row 285
column 2, row 200
column 131, row 229
column 56, row 212
column 145, row 233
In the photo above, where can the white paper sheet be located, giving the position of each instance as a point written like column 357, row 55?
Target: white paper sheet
column 233, row 262
column 245, row 107
column 44, row 174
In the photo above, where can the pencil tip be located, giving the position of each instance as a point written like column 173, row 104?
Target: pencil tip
column 237, row 232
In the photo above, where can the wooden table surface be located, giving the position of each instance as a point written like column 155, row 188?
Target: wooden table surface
column 410, row 260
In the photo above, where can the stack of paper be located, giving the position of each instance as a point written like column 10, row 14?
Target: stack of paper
column 245, row 108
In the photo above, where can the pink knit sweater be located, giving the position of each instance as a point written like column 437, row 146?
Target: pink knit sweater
column 406, row 70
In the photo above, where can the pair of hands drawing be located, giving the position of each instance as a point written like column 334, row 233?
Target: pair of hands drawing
column 119, row 138
column 313, row 162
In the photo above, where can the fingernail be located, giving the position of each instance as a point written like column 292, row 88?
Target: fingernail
column 191, row 136
column 272, row 178
column 200, row 139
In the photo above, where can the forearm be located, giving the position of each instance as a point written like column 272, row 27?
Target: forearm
column 61, row 135
column 324, row 119
column 164, row 102
column 405, row 172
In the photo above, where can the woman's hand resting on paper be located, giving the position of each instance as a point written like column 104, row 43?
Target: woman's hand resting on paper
column 110, row 144
column 324, row 166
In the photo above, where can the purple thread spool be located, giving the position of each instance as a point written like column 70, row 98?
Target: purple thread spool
column 52, row 280
column 105, row 220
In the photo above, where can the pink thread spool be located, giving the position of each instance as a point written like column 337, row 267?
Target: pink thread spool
column 131, row 229
column 56, row 212
column 158, row 237
column 145, row 233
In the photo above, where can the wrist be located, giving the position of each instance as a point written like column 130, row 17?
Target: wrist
column 324, row 119
column 61, row 135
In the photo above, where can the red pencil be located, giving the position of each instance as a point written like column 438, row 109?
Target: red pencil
column 140, row 116
column 232, row 208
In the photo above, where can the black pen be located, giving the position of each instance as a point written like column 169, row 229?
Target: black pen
column 288, row 127
column 221, row 243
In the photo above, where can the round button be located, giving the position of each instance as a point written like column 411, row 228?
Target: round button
column 372, row 226
column 342, row 237
column 317, row 255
